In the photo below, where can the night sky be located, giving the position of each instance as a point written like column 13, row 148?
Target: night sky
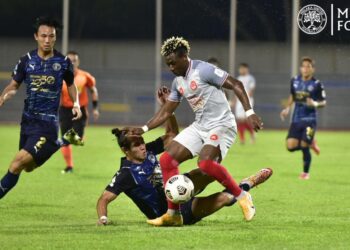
column 268, row 20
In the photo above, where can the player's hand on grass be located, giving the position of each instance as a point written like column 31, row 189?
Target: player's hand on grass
column 255, row 122
column 162, row 94
column 76, row 113
column 284, row 113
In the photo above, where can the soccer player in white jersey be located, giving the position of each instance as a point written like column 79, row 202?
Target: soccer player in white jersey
column 214, row 128
column 249, row 85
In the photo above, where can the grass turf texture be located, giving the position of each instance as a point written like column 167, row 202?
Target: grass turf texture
column 48, row 210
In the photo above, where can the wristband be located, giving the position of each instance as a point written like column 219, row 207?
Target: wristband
column 316, row 104
column 145, row 128
column 249, row 112
column 76, row 104
column 95, row 104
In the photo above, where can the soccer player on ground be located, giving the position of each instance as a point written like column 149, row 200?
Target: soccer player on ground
column 84, row 81
column 249, row 85
column 43, row 71
column 213, row 131
column 140, row 178
column 308, row 94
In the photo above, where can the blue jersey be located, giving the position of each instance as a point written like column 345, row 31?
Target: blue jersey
column 43, row 80
column 301, row 90
column 143, row 182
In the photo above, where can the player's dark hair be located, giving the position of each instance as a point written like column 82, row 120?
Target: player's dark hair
column 308, row 59
column 124, row 141
column 48, row 21
column 245, row 65
column 73, row 52
column 176, row 45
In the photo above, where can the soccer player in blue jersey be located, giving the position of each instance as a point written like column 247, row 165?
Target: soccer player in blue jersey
column 308, row 95
column 140, row 178
column 42, row 71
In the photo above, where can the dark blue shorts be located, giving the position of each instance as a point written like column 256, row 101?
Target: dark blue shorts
column 187, row 215
column 304, row 131
column 39, row 138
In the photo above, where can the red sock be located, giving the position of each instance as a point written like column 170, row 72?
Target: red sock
column 240, row 128
column 169, row 168
column 220, row 174
column 67, row 155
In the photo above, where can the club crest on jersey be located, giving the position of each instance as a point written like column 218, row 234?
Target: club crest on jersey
column 310, row 88
column 214, row 137
column 56, row 66
column 182, row 91
column 193, row 85
column 152, row 158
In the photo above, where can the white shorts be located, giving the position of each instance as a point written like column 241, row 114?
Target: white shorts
column 194, row 138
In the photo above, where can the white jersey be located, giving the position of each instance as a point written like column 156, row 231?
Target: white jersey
column 249, row 85
column 202, row 88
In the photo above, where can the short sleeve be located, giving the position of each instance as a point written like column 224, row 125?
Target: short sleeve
column 19, row 72
column 175, row 95
column 211, row 74
column 321, row 93
column 91, row 81
column 121, row 182
column 156, row 146
column 68, row 75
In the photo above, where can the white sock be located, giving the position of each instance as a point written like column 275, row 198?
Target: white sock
column 242, row 194
column 173, row 211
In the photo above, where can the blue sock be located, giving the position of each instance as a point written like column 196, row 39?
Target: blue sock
column 7, row 183
column 306, row 159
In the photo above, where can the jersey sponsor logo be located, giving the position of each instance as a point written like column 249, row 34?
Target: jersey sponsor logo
column 40, row 80
column 219, row 72
column 196, row 102
column 312, row 19
column 56, row 66
column 193, row 85
column 214, row 137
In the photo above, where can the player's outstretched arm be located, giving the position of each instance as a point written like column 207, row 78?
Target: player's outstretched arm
column 9, row 91
column 286, row 110
column 238, row 88
column 73, row 93
column 158, row 119
column 102, row 205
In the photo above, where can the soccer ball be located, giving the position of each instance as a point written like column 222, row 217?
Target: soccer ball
column 179, row 189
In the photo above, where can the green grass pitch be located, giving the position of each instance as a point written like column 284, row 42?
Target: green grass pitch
column 48, row 210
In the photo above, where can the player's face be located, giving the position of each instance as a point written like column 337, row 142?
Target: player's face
column 137, row 151
column 306, row 69
column 46, row 38
column 177, row 64
column 243, row 71
column 75, row 60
